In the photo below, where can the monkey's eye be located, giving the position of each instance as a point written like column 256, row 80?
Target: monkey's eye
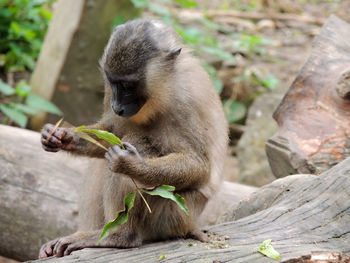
column 128, row 85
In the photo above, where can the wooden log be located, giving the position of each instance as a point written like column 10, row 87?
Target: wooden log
column 218, row 14
column 38, row 195
column 313, row 117
column 301, row 214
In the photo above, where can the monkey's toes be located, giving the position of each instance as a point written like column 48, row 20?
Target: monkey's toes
column 61, row 246
column 47, row 249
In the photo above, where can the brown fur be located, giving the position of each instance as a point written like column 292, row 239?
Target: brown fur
column 181, row 136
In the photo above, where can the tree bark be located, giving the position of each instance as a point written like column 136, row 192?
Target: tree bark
column 38, row 193
column 313, row 117
column 300, row 213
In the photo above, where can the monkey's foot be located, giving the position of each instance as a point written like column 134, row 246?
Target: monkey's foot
column 65, row 245
column 47, row 249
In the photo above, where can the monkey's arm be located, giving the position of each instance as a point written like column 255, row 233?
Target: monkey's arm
column 65, row 139
column 182, row 170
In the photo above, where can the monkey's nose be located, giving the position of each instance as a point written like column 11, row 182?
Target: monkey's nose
column 118, row 109
column 120, row 112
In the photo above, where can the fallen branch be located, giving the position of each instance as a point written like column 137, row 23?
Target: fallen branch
column 219, row 14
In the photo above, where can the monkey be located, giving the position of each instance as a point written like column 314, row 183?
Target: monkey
column 160, row 101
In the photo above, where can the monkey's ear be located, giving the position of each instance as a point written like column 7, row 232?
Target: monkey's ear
column 173, row 54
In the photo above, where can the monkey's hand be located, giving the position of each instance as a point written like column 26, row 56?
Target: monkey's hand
column 55, row 140
column 120, row 159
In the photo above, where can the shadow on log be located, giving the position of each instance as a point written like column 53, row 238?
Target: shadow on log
column 300, row 213
column 38, row 195
column 314, row 116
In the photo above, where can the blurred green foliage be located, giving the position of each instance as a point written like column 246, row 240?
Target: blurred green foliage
column 18, row 103
column 23, row 24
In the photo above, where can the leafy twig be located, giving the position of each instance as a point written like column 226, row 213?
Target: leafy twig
column 165, row 191
column 144, row 199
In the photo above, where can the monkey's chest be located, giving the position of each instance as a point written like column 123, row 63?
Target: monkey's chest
column 146, row 146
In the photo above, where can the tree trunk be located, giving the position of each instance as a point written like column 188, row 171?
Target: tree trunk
column 300, row 213
column 314, row 116
column 38, row 195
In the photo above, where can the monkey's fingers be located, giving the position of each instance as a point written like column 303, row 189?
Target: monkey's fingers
column 50, row 130
column 131, row 149
column 49, row 149
column 51, row 141
column 108, row 156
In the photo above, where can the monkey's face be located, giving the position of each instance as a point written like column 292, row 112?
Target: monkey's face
column 131, row 51
column 127, row 95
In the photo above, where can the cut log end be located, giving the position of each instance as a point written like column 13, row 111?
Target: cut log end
column 343, row 86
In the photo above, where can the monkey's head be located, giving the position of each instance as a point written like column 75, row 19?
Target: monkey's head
column 138, row 58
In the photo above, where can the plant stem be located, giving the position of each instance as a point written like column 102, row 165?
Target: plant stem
column 138, row 190
column 87, row 137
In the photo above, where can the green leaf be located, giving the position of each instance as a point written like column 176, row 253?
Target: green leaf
column 189, row 35
column 219, row 53
column 2, row 60
column 29, row 34
column 209, row 23
column 24, row 108
column 104, row 135
column 41, row 104
column 121, row 217
column 218, row 85
column 14, row 115
column 161, row 257
column 22, row 88
column 118, row 20
column 15, row 28
column 270, row 82
column 45, row 13
column 234, row 110
column 187, row 3
column 158, row 9
column 140, row 3
column 28, row 60
column 6, row 89
column 166, row 191
column 267, row 249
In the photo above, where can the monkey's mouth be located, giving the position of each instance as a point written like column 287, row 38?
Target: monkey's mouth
column 127, row 110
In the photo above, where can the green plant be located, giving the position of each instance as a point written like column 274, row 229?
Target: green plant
column 18, row 103
column 248, row 44
column 267, row 249
column 23, row 25
column 121, row 217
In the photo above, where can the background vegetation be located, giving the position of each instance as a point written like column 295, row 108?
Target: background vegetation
column 23, row 24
